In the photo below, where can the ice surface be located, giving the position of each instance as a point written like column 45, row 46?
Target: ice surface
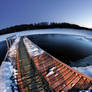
column 80, row 63
column 85, row 33
column 84, row 65
column 86, row 70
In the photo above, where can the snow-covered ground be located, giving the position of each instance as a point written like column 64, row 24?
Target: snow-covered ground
column 6, row 81
column 7, row 71
column 5, row 74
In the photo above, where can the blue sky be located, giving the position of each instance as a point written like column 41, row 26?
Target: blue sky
column 16, row 12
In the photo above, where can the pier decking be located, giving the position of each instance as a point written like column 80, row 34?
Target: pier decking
column 40, row 72
column 31, row 80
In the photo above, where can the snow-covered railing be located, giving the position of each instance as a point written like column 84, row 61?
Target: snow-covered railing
column 8, row 69
column 32, row 49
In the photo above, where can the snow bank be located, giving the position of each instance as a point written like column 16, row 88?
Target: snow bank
column 5, row 74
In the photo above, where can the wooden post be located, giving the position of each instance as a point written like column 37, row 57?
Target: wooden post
column 10, row 42
column 7, row 44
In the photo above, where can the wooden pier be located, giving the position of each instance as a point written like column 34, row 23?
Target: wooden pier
column 38, row 71
column 29, row 78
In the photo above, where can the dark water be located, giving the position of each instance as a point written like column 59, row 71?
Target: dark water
column 64, row 47
column 3, row 50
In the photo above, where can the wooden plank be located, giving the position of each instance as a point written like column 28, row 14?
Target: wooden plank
column 63, row 77
column 71, row 84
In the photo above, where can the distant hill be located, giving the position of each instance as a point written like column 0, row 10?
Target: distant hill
column 42, row 25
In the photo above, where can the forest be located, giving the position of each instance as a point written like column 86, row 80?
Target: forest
column 41, row 25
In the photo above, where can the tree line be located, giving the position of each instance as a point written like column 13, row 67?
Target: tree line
column 42, row 25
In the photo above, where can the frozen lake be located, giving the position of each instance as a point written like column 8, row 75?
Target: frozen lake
column 73, row 47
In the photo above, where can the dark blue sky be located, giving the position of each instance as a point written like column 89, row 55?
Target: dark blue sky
column 15, row 12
